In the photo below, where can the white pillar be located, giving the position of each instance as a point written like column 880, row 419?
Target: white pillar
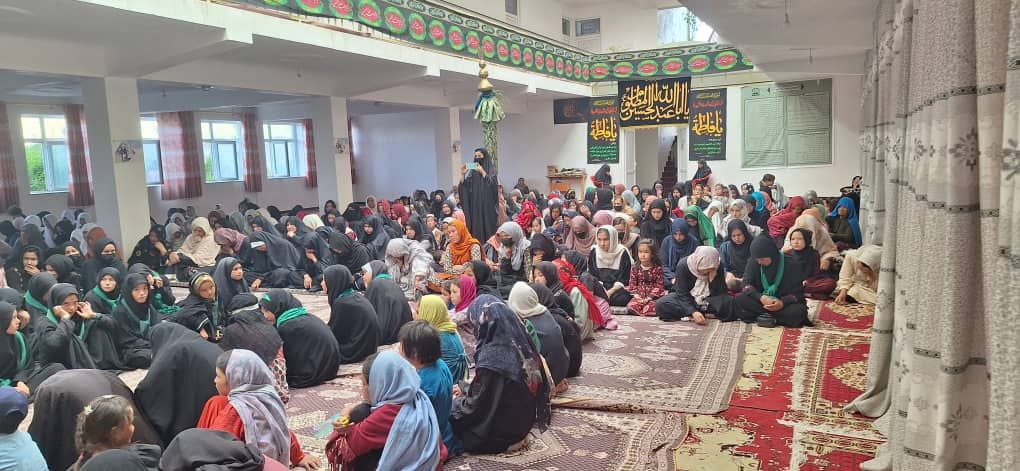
column 112, row 118
column 329, row 124
column 448, row 148
column 646, row 156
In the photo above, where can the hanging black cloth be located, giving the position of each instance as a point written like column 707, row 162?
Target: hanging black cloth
column 59, row 401
column 311, row 350
column 479, row 196
column 389, row 302
column 351, row 317
column 135, row 322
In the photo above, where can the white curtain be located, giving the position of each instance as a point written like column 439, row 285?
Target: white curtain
column 941, row 106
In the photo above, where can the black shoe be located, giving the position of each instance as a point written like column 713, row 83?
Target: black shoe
column 766, row 320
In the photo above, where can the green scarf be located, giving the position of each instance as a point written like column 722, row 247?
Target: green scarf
column 706, row 231
column 104, row 297
column 385, row 276
column 167, row 309
column 23, row 358
column 31, row 301
column 533, row 334
column 290, row 314
column 345, row 294
column 770, row 289
column 143, row 325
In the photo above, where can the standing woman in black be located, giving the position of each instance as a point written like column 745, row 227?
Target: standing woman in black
column 351, row 317
column 311, row 350
column 479, row 195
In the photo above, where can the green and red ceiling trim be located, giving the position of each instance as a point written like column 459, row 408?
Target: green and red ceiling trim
column 436, row 27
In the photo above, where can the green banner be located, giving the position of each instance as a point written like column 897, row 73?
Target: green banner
column 437, row 27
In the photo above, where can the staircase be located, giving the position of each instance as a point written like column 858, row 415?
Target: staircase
column 669, row 171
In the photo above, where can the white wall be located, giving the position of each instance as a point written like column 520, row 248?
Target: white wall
column 825, row 179
column 625, row 26
column 395, row 154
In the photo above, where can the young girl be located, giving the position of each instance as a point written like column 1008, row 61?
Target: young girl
column 96, row 330
column 433, row 310
column 420, row 344
column 107, row 423
column 135, row 317
column 393, row 388
column 817, row 284
column 646, row 280
column 105, row 296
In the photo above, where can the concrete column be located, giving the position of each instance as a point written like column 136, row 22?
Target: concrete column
column 448, row 148
column 112, row 118
column 647, row 161
column 329, row 123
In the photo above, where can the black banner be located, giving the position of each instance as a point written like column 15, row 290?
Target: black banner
column 650, row 103
column 603, row 131
column 708, row 125
column 570, row 110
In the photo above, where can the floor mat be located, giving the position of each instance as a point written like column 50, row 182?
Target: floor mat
column 587, row 440
column 769, row 360
column 648, row 365
column 845, row 317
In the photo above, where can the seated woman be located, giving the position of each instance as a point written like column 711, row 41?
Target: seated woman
column 571, row 333
column 316, row 258
column 135, row 318
column 699, row 289
column 229, row 278
column 461, row 250
column 272, row 263
column 542, row 249
column 246, row 329
column 410, row 265
column 843, row 224
column 739, row 211
column 509, row 256
column 461, row 292
column 311, row 350
column 18, row 368
column 198, row 252
column 432, row 309
column 414, row 229
column 734, row 254
column 104, row 434
column 62, row 268
column 232, row 243
column 249, row 408
column 351, row 316
column 104, row 256
column 781, row 223
column 646, row 280
column 96, row 330
column 199, row 311
column 151, row 250
column 390, row 305
column 25, row 265
column 392, row 387
column 656, row 223
column 36, row 298
column 198, row 448
column 813, row 222
column 105, row 297
column 762, row 210
column 701, row 224
column 296, row 232
column 524, row 302
column 348, row 252
column 60, row 400
column 161, row 295
column 376, row 238
column 509, row 394
column 858, row 278
column 610, row 263
column 179, row 381
column 548, row 274
column 672, row 249
column 818, row 284
column 773, row 288
column 485, row 283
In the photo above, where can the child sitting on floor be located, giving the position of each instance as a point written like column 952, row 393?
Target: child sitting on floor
column 646, row 280
column 421, row 346
column 107, row 423
column 17, row 449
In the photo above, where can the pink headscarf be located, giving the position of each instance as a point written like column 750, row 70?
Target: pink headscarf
column 229, row 237
column 602, row 218
column 468, row 292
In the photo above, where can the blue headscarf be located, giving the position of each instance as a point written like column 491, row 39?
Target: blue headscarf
column 672, row 251
column 759, row 201
column 414, row 438
column 851, row 216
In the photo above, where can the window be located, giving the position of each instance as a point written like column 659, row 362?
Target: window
column 222, row 146
column 46, row 152
column 512, row 12
column 678, row 24
column 151, row 152
column 588, row 27
column 285, row 149
column 565, row 26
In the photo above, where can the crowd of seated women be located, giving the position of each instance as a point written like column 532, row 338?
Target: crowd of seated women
column 489, row 326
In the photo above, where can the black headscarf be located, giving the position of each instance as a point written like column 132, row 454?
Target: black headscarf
column 317, row 243
column 806, row 258
column 551, row 274
column 90, row 269
column 105, row 301
column 437, row 203
column 64, row 267
column 571, row 333
column 15, row 356
column 279, row 253
column 63, row 231
column 180, row 379
column 389, row 302
column 603, row 199
column 261, row 221
column 738, row 255
column 311, row 350
column 135, row 320
column 420, row 233
column 484, row 281
column 764, row 247
column 198, row 313
column 349, row 253
column 602, row 176
column 210, row 449
column 657, row 230
column 227, row 287
column 546, row 245
column 352, row 317
column 379, row 238
column 35, row 296
column 8, row 231
column 249, row 330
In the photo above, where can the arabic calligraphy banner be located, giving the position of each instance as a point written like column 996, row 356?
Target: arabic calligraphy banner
column 652, row 103
column 603, row 131
column 570, row 110
column 708, row 125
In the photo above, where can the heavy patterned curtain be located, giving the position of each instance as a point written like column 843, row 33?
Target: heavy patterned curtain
column 252, row 154
column 8, row 175
column 312, row 177
column 181, row 152
column 941, row 106
column 79, row 185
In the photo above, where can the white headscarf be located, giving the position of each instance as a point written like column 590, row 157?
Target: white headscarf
column 609, row 258
column 704, row 258
column 201, row 250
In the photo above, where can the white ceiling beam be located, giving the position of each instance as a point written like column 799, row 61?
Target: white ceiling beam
column 155, row 61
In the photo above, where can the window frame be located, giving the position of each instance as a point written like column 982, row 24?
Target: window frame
column 158, row 156
column 299, row 145
column 577, row 27
column 47, row 144
column 214, row 150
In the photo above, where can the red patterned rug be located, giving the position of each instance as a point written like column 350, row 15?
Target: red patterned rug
column 845, row 317
column 769, row 360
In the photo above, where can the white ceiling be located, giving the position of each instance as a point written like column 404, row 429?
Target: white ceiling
column 819, row 28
